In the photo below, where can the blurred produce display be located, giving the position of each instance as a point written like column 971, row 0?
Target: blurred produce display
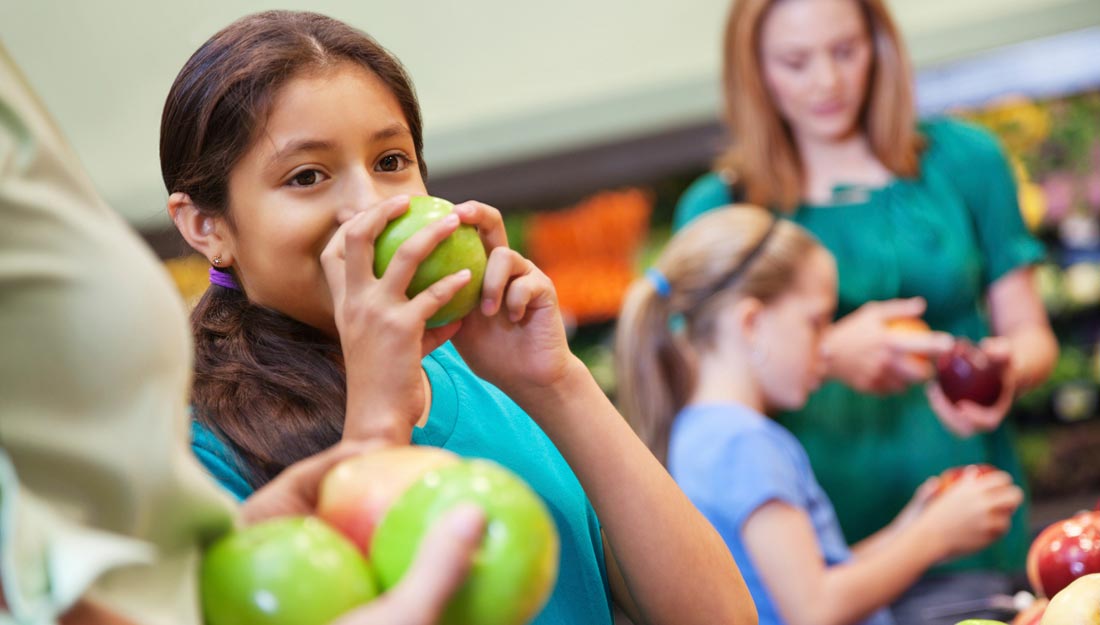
column 1055, row 148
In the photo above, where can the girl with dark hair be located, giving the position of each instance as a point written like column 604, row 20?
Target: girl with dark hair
column 288, row 141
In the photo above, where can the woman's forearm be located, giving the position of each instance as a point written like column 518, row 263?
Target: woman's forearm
column 676, row 567
column 1034, row 353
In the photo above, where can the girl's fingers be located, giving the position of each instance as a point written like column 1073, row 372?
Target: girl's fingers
column 430, row 300
column 930, row 344
column 406, row 260
column 490, row 224
column 532, row 288
column 363, row 230
column 502, row 267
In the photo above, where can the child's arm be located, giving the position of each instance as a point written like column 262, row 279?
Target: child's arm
column 675, row 568
column 784, row 548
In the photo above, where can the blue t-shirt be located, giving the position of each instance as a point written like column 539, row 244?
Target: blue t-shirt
column 730, row 460
column 475, row 419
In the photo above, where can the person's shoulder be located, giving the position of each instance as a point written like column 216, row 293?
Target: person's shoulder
column 707, row 192
column 959, row 141
column 720, row 435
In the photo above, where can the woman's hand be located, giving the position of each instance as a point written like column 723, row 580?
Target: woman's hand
column 517, row 336
column 441, row 565
column 863, row 352
column 967, row 418
column 382, row 332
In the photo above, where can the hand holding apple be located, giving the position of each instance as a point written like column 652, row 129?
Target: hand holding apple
column 463, row 249
column 383, row 333
column 878, row 348
column 973, row 512
column 1063, row 552
column 517, row 339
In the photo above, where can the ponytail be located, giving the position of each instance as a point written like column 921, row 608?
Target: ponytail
column 652, row 364
column 270, row 386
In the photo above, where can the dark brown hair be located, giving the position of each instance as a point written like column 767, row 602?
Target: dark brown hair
column 271, row 386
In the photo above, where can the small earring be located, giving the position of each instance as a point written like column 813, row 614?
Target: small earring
column 217, row 260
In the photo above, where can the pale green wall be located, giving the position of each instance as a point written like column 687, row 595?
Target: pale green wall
column 497, row 78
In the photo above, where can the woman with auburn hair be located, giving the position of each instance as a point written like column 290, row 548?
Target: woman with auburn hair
column 923, row 221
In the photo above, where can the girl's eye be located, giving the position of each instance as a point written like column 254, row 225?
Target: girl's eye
column 306, row 178
column 392, row 163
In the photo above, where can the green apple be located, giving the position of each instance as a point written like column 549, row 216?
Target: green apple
column 357, row 492
column 462, row 250
column 288, row 571
column 980, row 621
column 514, row 568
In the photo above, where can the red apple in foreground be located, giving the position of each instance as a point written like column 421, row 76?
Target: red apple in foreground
column 954, row 474
column 966, row 372
column 462, row 250
column 1064, row 552
column 356, row 493
column 289, row 571
column 514, row 568
column 1076, row 604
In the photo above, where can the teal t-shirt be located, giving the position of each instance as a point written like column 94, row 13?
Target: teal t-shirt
column 946, row 236
column 475, row 419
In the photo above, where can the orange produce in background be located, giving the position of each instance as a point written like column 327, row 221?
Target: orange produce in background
column 589, row 251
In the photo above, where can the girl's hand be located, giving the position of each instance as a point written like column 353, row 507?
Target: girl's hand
column 864, row 353
column 967, row 418
column 517, row 336
column 972, row 512
column 382, row 332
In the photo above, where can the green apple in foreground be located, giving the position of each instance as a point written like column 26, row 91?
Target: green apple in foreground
column 462, row 250
column 357, row 492
column 514, row 568
column 289, row 571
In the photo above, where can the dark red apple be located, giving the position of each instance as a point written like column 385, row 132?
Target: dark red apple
column 966, row 372
column 1063, row 552
column 954, row 474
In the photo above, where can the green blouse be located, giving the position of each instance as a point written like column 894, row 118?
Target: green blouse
column 945, row 236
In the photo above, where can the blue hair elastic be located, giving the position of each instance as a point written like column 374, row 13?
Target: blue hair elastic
column 659, row 281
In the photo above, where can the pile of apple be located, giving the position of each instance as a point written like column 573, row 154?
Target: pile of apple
column 374, row 510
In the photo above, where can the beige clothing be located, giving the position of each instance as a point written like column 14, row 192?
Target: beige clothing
column 99, row 493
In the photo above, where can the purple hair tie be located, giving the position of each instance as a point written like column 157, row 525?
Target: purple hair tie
column 223, row 279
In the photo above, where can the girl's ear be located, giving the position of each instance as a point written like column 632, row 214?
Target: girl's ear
column 746, row 318
column 205, row 233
